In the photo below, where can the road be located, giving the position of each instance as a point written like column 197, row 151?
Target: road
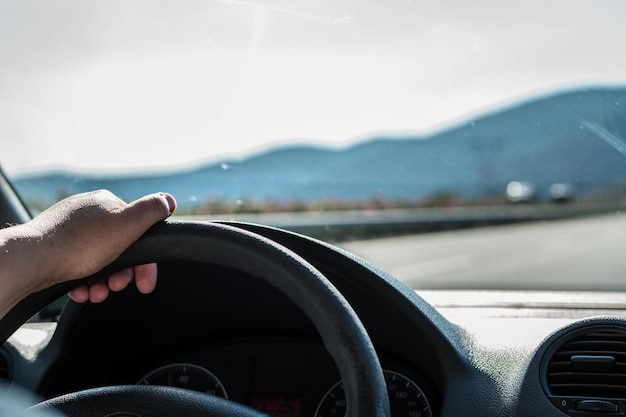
column 586, row 254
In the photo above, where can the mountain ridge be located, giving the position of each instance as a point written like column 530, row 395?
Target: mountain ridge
column 553, row 138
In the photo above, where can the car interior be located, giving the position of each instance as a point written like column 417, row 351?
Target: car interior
column 218, row 323
column 398, row 208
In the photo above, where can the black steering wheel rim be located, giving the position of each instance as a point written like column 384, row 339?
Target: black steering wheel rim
column 341, row 330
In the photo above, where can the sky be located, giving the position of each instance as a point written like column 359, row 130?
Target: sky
column 150, row 85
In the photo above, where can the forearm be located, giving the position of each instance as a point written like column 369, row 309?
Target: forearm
column 19, row 264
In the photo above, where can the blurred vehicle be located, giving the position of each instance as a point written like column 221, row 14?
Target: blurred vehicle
column 562, row 192
column 520, row 191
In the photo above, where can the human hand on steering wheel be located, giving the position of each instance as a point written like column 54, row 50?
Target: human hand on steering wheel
column 75, row 238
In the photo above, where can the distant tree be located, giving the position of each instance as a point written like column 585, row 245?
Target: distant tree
column 443, row 199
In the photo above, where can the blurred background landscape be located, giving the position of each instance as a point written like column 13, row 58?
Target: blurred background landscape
column 570, row 138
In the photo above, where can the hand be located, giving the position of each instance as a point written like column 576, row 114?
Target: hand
column 76, row 238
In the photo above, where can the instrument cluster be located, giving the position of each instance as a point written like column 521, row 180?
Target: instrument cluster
column 293, row 381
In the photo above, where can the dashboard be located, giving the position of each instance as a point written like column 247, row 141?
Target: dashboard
column 222, row 331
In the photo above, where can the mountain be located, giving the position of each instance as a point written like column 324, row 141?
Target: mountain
column 577, row 137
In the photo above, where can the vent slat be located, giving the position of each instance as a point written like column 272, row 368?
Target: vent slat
column 589, row 390
column 595, row 344
column 587, row 377
column 4, row 371
column 556, row 367
column 566, row 355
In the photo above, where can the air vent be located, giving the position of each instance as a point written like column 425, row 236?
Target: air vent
column 585, row 372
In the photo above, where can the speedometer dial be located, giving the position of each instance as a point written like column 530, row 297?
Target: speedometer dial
column 405, row 397
column 186, row 375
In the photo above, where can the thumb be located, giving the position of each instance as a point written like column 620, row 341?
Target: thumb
column 150, row 209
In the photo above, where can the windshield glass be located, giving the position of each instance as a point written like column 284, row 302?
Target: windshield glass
column 365, row 123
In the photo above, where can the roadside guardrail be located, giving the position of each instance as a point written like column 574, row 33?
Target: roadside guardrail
column 351, row 225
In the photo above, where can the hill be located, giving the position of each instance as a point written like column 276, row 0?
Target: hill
column 571, row 136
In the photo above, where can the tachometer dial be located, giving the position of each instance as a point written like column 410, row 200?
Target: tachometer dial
column 405, row 397
column 185, row 375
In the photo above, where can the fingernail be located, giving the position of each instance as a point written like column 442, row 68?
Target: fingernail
column 171, row 202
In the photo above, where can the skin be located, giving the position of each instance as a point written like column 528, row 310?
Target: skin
column 76, row 238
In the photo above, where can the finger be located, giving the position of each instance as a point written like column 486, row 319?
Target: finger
column 79, row 294
column 120, row 280
column 146, row 278
column 151, row 208
column 98, row 291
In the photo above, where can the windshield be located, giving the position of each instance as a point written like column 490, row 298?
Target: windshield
column 371, row 124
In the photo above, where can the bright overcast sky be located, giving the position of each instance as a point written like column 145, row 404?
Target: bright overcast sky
column 119, row 84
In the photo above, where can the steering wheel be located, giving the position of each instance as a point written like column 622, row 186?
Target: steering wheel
column 341, row 330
